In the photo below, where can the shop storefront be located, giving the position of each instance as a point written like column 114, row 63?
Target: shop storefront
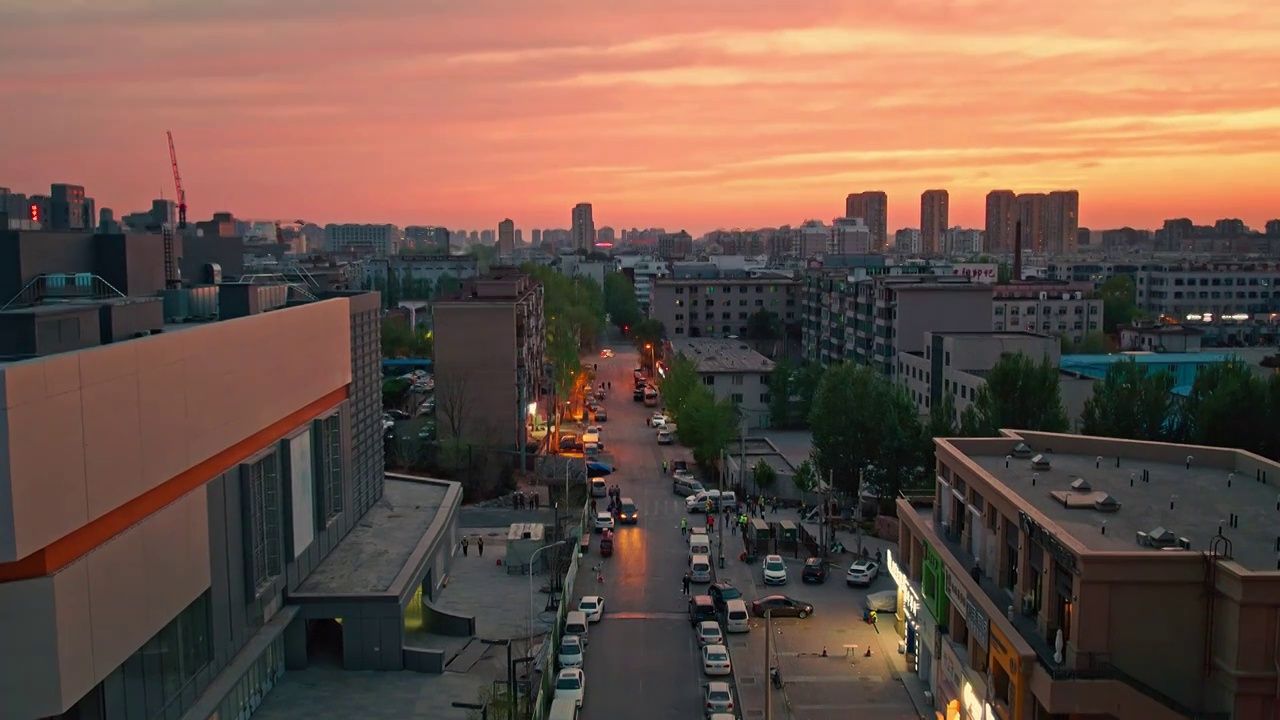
column 916, row 625
column 962, row 695
column 1006, row 673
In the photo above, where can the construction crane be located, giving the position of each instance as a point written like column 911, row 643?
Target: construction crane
column 177, row 184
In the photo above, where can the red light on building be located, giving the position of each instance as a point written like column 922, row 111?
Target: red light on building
column 35, row 213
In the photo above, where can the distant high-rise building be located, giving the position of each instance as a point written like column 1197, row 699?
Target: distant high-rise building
column 907, row 241
column 107, row 221
column 66, row 208
column 506, row 237
column 375, row 240
column 536, row 237
column 1002, row 220
column 873, row 207
column 606, row 234
column 934, row 216
column 1273, row 228
column 1031, row 213
column 487, row 237
column 1061, row 221
column 519, row 236
column 426, row 237
column 584, row 227
column 851, row 236
column 164, row 212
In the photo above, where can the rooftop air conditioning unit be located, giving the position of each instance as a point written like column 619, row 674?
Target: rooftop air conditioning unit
column 1040, row 462
column 1044, row 296
column 1066, row 296
column 1081, row 485
column 1079, row 295
column 1143, row 539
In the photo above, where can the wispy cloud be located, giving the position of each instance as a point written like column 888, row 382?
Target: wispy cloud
column 735, row 112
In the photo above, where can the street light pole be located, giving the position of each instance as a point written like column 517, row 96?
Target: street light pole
column 522, row 423
column 532, row 557
column 768, row 663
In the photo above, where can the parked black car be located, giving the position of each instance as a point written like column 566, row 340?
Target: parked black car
column 781, row 606
column 701, row 608
column 815, row 570
column 721, row 593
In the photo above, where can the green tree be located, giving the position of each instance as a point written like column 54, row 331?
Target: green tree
column 447, row 285
column 1129, row 402
column 646, row 332
column 805, row 479
column 679, row 384
column 1095, row 342
column 400, row 340
column 486, row 257
column 763, row 475
column 942, row 417
column 1004, row 273
column 860, row 418
column 1019, row 393
column 706, row 425
column 1230, row 406
column 1119, row 302
column 620, row 300
column 804, row 388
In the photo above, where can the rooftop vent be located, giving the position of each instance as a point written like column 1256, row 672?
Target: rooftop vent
column 1022, row 450
column 1081, row 485
column 1039, row 462
column 1106, row 504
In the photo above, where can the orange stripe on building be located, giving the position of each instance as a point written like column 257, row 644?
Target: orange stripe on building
column 70, row 548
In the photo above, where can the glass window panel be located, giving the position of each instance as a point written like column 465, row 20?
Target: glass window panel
column 153, row 676
column 171, row 658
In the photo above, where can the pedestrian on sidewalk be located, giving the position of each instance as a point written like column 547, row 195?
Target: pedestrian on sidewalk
column 480, row 546
column 537, row 501
column 465, row 544
column 711, row 522
column 593, row 506
column 684, row 583
column 775, row 504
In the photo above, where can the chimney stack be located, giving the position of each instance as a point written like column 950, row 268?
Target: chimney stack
column 1017, row 252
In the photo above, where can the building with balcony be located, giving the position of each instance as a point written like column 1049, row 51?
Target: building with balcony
column 734, row 372
column 718, row 303
column 489, row 366
column 186, row 509
column 1070, row 310
column 892, row 313
column 955, row 364
column 1071, row 576
column 416, row 275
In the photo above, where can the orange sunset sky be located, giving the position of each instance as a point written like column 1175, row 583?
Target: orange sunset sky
column 676, row 113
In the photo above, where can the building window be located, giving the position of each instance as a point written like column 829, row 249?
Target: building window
column 328, row 469
column 260, row 493
column 735, row 380
column 167, row 665
column 709, row 380
column 736, row 397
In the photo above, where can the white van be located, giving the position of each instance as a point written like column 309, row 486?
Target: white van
column 727, row 500
column 575, row 623
column 699, row 545
column 736, row 618
column 700, row 568
column 698, row 503
column 685, row 485
column 563, row 709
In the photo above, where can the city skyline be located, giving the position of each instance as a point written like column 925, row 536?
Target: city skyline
column 756, row 118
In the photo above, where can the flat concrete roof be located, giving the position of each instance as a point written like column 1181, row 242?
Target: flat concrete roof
column 371, row 556
column 722, row 355
column 1203, row 501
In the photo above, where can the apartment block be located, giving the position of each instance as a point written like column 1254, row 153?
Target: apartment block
column 506, row 237
column 426, row 237
column 734, row 372
column 643, row 270
column 1055, row 575
column 179, row 498
column 935, row 217
column 955, row 364
column 1002, row 221
column 851, row 236
column 719, row 306
column 417, row 271
column 583, row 233
column 872, row 207
column 490, row 341
column 364, row 240
column 891, row 315
column 675, row 246
column 1070, row 310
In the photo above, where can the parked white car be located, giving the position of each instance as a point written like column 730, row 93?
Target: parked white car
column 709, row 633
column 592, row 606
column 775, row 570
column 862, row 573
column 604, row 521
column 715, row 660
column 571, row 654
column 571, row 684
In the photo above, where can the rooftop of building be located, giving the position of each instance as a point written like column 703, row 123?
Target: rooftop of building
column 373, row 554
column 930, row 283
column 1105, row 493
column 1161, row 329
column 501, row 284
column 722, row 355
column 993, row 334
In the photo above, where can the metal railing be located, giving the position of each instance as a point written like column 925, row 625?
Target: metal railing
column 1097, row 666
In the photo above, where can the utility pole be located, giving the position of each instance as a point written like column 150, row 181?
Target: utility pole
column 720, row 525
column 768, row 664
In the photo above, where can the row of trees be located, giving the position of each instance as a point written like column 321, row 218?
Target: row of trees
column 705, row 425
column 400, row 340
column 573, row 311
